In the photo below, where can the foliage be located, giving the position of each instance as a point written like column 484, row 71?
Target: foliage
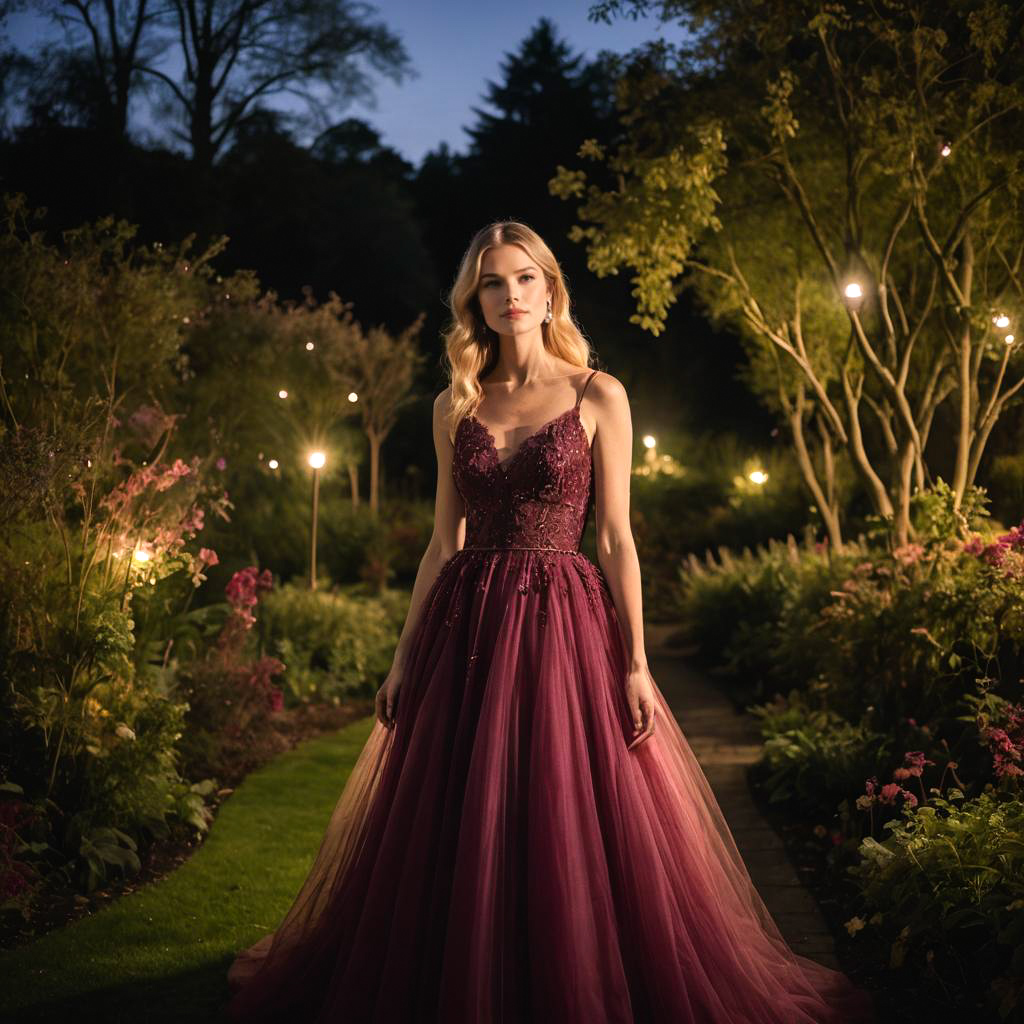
column 944, row 891
column 96, row 549
column 813, row 754
column 230, row 689
column 749, row 613
column 905, row 662
column 842, row 186
column 706, row 502
column 333, row 645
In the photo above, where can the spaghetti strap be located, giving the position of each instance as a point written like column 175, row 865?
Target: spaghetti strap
column 584, row 391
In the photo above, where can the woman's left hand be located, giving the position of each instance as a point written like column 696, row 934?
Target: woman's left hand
column 640, row 697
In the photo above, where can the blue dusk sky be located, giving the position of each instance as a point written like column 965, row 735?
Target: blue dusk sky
column 456, row 46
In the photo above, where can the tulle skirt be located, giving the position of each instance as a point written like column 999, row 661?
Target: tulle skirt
column 500, row 856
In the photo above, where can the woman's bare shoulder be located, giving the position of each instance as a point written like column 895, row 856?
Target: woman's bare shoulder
column 443, row 401
column 607, row 389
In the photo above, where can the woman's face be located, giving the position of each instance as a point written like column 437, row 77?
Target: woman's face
column 509, row 280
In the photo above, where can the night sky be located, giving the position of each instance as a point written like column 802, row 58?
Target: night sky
column 455, row 46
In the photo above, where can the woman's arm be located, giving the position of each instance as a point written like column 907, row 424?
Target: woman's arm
column 449, row 525
column 616, row 549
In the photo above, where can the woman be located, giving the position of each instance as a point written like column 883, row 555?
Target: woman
column 526, row 835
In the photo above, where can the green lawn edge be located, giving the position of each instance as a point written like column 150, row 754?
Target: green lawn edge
column 162, row 953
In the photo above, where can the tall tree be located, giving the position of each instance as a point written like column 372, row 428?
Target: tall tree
column 233, row 55
column 98, row 71
column 875, row 147
column 239, row 52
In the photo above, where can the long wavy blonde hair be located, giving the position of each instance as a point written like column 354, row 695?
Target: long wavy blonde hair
column 471, row 347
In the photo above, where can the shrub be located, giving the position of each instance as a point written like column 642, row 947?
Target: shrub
column 943, row 894
column 333, row 645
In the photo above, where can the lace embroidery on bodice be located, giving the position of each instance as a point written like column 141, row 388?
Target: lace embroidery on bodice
column 539, row 497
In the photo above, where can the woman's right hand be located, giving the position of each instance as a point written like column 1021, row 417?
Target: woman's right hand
column 387, row 697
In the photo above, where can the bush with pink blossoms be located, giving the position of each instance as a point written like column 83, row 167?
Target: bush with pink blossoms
column 231, row 690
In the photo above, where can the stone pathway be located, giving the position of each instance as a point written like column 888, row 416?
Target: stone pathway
column 725, row 743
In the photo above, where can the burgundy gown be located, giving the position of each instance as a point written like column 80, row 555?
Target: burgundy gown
column 500, row 856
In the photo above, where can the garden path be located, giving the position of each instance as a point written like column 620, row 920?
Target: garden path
column 726, row 743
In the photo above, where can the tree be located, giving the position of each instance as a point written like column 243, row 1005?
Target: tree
column 380, row 368
column 235, row 54
column 869, row 146
column 97, row 75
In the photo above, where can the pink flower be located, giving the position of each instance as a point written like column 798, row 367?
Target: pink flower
column 891, row 790
column 221, row 463
column 974, row 546
column 244, row 589
column 914, row 762
column 1014, row 539
column 208, row 556
column 193, row 521
column 908, row 554
column 172, row 475
column 1000, row 740
column 871, row 785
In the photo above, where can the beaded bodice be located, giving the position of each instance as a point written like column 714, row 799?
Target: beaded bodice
column 539, row 497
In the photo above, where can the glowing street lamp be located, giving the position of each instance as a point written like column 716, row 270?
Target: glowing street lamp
column 317, row 460
column 650, row 442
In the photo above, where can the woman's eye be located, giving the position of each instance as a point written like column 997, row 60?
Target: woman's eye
column 522, row 277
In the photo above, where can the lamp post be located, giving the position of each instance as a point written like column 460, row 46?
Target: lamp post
column 650, row 443
column 317, row 461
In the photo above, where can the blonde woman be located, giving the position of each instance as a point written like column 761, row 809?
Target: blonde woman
column 527, row 835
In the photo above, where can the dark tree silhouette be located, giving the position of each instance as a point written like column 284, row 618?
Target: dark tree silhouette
column 234, row 55
column 92, row 78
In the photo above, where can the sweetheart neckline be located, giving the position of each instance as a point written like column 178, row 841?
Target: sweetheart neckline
column 544, row 426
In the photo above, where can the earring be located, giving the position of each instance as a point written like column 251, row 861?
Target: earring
column 547, row 319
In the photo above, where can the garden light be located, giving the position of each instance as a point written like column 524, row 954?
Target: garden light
column 649, row 441
column 946, row 149
column 272, row 463
column 1001, row 321
column 317, row 460
column 853, row 295
column 310, row 346
column 1008, row 339
column 758, row 476
column 282, row 393
column 141, row 555
column 353, row 397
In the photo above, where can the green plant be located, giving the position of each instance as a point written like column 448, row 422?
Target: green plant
column 333, row 645
column 813, row 754
column 944, row 893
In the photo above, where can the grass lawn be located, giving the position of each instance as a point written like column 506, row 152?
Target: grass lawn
column 162, row 953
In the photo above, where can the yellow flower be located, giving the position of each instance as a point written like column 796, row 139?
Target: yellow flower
column 854, row 925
